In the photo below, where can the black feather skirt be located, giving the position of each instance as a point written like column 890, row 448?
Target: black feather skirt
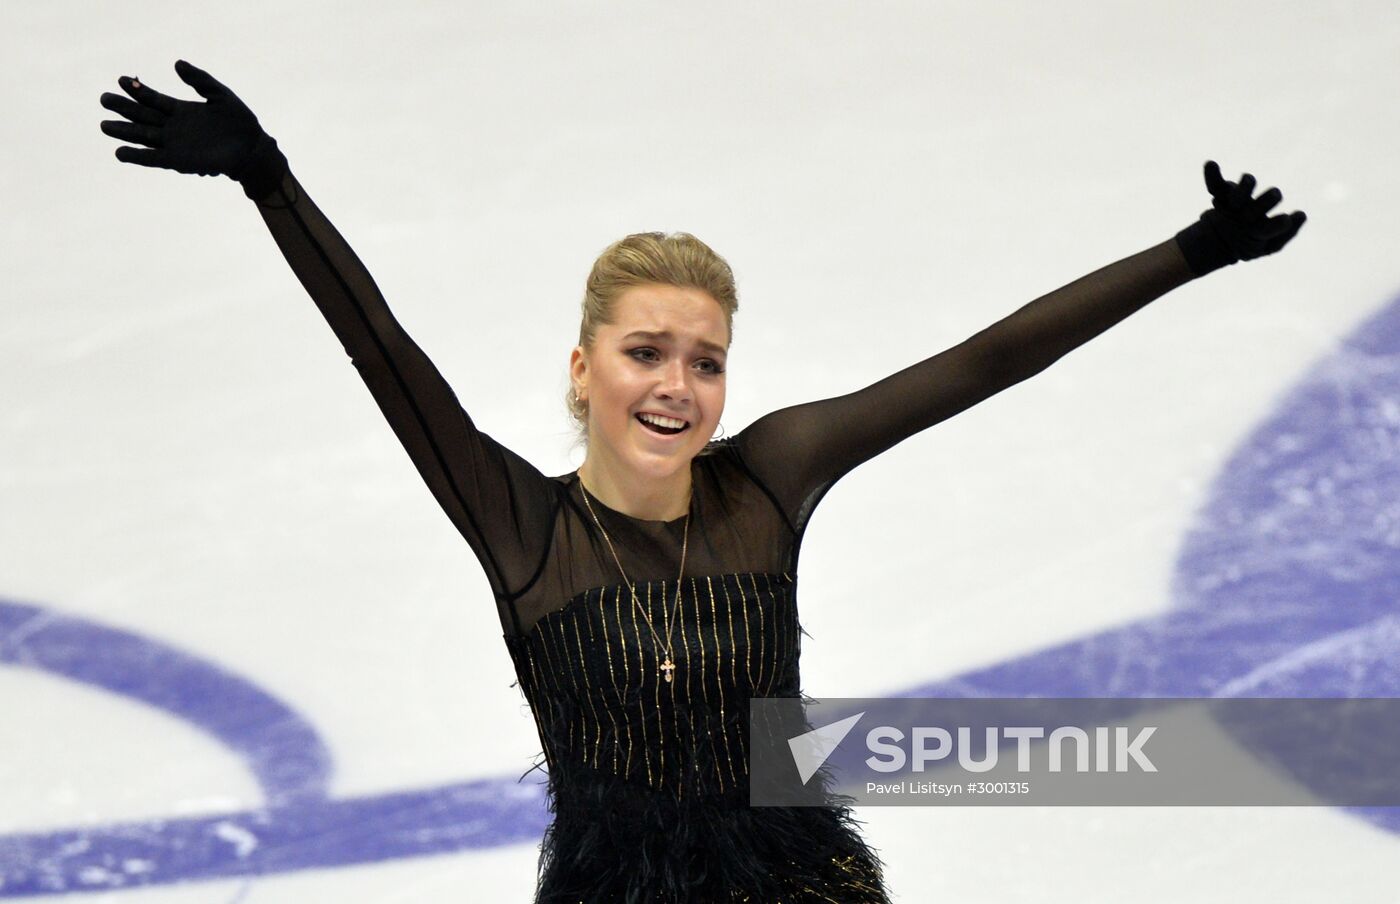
column 614, row 842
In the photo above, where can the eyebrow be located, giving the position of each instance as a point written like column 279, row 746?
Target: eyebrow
column 667, row 335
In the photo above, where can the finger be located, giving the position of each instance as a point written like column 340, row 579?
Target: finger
column 1264, row 203
column 137, row 134
column 131, row 109
column 147, row 95
column 1287, row 228
column 1291, row 224
column 1277, row 226
column 1215, row 183
column 140, row 156
column 1247, row 184
column 201, row 81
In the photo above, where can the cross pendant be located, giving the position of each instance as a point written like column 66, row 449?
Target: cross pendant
column 668, row 667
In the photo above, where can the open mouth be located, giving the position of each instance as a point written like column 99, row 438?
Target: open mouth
column 661, row 430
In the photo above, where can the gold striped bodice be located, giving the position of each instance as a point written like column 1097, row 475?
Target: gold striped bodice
column 591, row 674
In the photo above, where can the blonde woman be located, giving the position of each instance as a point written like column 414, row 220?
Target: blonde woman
column 647, row 596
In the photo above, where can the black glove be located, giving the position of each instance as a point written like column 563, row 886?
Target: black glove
column 218, row 137
column 1237, row 227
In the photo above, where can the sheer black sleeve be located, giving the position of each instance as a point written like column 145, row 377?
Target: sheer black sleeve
column 800, row 451
column 499, row 502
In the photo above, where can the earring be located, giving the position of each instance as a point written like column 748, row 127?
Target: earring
column 720, row 424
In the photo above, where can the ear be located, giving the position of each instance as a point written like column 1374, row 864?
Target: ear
column 578, row 371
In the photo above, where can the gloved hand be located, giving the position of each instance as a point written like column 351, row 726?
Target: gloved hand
column 1237, row 227
column 218, row 137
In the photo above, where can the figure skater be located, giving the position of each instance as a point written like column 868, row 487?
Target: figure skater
column 647, row 596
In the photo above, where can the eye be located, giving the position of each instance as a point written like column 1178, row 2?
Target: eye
column 650, row 355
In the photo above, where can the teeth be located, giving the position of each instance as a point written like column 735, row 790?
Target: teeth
column 662, row 421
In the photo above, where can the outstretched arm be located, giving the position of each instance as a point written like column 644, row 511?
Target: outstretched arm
column 499, row 502
column 800, row 451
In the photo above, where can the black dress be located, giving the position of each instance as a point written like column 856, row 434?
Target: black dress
column 648, row 779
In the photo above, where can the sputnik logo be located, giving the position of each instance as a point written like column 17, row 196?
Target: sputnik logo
column 811, row 749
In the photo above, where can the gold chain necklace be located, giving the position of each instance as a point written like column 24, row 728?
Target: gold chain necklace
column 668, row 667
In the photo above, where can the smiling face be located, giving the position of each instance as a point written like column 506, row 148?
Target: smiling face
column 663, row 354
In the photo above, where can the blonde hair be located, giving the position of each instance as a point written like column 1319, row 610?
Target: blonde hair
column 674, row 259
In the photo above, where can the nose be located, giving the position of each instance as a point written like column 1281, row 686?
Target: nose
column 674, row 382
